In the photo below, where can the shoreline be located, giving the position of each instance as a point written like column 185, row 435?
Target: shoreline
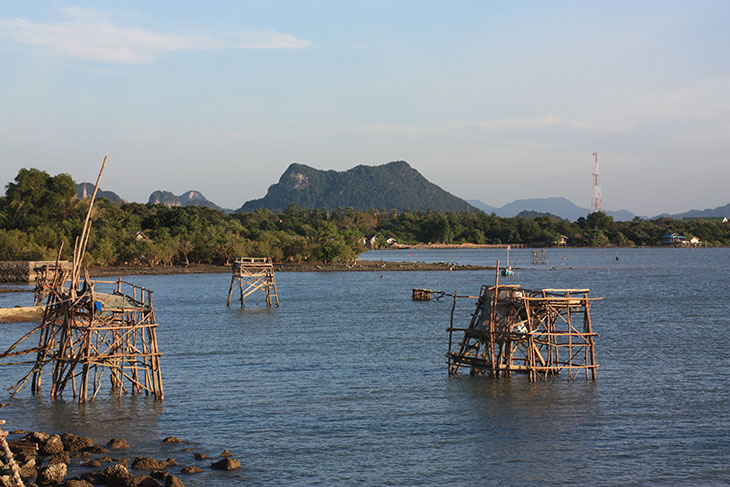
column 358, row 266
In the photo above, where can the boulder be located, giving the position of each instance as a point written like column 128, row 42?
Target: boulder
column 172, row 481
column 116, row 474
column 117, row 443
column 36, row 437
column 77, row 483
column 94, row 478
column 228, row 463
column 92, row 462
column 72, row 442
column 146, row 481
column 95, row 450
column 51, row 474
column 172, row 439
column 191, row 469
column 201, row 456
column 28, row 469
column 147, row 463
column 62, row 457
column 51, row 445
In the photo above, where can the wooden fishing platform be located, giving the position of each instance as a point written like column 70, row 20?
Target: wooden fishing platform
column 251, row 274
column 513, row 329
column 90, row 328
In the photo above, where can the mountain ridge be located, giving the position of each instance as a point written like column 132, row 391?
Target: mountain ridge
column 189, row 198
column 558, row 206
column 393, row 186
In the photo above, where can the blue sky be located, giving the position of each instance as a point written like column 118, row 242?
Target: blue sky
column 493, row 101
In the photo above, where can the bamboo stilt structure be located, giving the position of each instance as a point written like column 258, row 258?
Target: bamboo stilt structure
column 5, row 451
column 85, row 331
column 251, row 274
column 519, row 330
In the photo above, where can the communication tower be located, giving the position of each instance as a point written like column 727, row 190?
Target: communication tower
column 597, row 202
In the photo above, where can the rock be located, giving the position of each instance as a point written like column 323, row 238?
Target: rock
column 172, row 439
column 117, row 443
column 191, row 469
column 36, row 437
column 28, row 469
column 172, row 481
column 169, row 479
column 228, row 463
column 116, row 474
column 51, row 445
column 74, row 443
column 23, row 456
column 93, row 463
column 77, row 483
column 94, row 478
column 51, row 474
column 146, row 481
column 62, row 457
column 171, row 462
column 95, row 450
column 226, row 453
column 147, row 463
column 201, row 456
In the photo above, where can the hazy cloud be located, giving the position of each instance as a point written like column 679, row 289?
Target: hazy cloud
column 90, row 35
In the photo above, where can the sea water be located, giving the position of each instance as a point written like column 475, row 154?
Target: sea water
column 346, row 383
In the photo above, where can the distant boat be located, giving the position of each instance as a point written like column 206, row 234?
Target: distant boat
column 507, row 271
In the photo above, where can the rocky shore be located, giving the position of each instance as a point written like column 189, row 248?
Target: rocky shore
column 69, row 460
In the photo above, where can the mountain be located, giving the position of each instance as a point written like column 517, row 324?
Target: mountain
column 190, row 198
column 85, row 190
column 395, row 185
column 560, row 207
column 719, row 212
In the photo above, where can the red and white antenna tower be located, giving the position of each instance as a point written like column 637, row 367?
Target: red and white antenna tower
column 597, row 202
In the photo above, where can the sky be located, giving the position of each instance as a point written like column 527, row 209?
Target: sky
column 491, row 100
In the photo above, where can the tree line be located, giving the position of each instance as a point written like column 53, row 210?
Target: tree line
column 39, row 211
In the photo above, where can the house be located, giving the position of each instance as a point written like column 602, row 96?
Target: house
column 673, row 239
column 560, row 241
column 137, row 235
column 695, row 242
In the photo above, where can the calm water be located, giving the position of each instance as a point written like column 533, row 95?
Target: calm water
column 346, row 383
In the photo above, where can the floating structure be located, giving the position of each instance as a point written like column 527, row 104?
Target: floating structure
column 426, row 294
column 251, row 274
column 513, row 329
column 508, row 271
column 85, row 333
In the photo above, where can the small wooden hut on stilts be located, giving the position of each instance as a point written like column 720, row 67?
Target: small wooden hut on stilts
column 514, row 329
column 251, row 274
column 85, row 333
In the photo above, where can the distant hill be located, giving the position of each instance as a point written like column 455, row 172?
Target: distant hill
column 395, row 185
column 85, row 190
column 190, row 198
column 560, row 207
column 531, row 215
column 719, row 212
